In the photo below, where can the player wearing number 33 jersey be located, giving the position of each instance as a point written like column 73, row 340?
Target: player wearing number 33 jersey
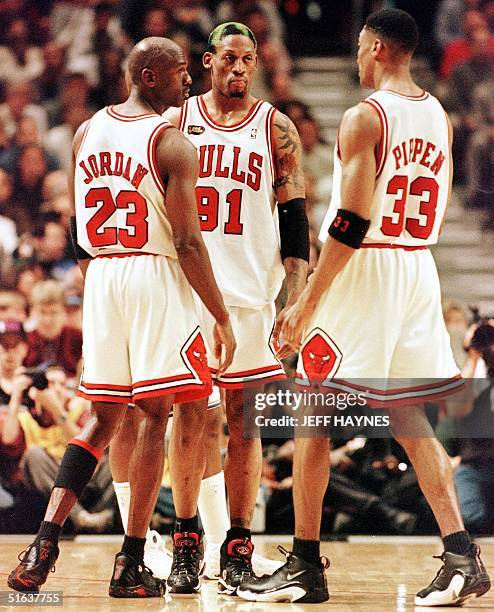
column 121, row 214
column 390, row 286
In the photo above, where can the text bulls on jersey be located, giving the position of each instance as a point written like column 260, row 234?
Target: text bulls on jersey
column 113, row 164
column 223, row 161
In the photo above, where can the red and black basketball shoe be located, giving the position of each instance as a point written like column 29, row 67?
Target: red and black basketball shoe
column 36, row 562
column 133, row 579
column 235, row 565
column 188, row 555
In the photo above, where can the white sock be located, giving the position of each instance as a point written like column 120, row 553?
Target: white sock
column 212, row 508
column 122, row 492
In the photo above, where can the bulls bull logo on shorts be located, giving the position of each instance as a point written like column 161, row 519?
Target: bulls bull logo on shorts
column 194, row 355
column 320, row 359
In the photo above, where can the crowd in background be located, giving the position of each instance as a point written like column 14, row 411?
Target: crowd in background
column 62, row 60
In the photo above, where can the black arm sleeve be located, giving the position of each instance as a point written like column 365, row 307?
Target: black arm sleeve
column 79, row 252
column 294, row 229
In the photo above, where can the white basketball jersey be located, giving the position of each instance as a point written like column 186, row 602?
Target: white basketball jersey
column 236, row 201
column 119, row 195
column 412, row 172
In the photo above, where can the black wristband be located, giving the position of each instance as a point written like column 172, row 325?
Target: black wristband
column 294, row 229
column 79, row 252
column 349, row 228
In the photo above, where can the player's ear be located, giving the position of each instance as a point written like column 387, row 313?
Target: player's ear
column 207, row 59
column 148, row 77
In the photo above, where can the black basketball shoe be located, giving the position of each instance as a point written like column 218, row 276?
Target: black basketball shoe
column 297, row 581
column 188, row 554
column 36, row 562
column 235, row 565
column 133, row 579
column 460, row 578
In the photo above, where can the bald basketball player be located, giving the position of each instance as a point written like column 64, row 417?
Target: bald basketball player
column 141, row 250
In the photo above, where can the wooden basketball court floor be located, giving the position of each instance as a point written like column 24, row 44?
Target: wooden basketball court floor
column 371, row 574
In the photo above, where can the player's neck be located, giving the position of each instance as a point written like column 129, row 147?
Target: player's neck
column 399, row 80
column 226, row 110
column 136, row 104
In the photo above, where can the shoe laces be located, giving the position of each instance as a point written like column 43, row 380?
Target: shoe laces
column 25, row 553
column 240, row 565
column 184, row 559
column 289, row 555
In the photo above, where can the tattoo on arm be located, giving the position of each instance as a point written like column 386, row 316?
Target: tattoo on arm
column 287, row 160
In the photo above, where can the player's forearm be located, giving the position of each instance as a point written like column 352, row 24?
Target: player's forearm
column 334, row 257
column 194, row 260
column 296, row 278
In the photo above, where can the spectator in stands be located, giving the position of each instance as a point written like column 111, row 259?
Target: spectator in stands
column 228, row 10
column 76, row 88
column 9, row 207
column 52, row 340
column 317, row 158
column 51, row 245
column 13, row 306
column 111, row 88
column 18, row 103
column 460, row 49
column 19, row 58
column 27, row 134
column 456, row 322
column 49, row 82
column 480, row 153
column 449, row 20
column 474, row 477
column 157, row 22
column 31, row 168
column 459, row 100
column 54, row 185
column 53, row 417
column 58, row 141
column 29, row 273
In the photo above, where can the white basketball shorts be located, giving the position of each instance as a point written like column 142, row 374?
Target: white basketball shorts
column 381, row 321
column 254, row 361
column 141, row 335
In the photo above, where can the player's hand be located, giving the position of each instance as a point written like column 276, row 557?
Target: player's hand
column 296, row 320
column 284, row 350
column 223, row 337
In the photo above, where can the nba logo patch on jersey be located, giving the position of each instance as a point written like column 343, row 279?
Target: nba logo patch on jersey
column 195, row 130
column 253, row 133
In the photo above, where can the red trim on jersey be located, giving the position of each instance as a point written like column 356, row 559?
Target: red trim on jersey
column 430, row 392
column 125, row 254
column 423, row 96
column 106, row 387
column 84, row 134
column 113, row 113
column 203, row 110
column 382, row 152
column 182, row 120
column 97, row 453
column 156, row 381
column 112, row 399
column 184, row 393
column 400, row 390
column 250, row 372
column 152, row 142
column 384, row 245
column 270, row 137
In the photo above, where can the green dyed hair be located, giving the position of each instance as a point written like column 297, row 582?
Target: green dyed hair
column 228, row 29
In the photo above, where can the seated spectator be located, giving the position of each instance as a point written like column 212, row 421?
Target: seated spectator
column 53, row 417
column 480, row 153
column 19, row 58
column 449, row 18
column 111, row 88
column 49, row 82
column 58, row 140
column 51, row 339
column 461, row 86
column 28, row 273
column 13, row 306
column 27, row 134
column 51, row 246
column 31, row 169
column 18, row 103
column 461, row 49
column 474, row 476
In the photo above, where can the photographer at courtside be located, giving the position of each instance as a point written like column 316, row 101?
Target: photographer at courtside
column 40, row 419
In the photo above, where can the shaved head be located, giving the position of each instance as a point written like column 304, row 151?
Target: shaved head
column 153, row 53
